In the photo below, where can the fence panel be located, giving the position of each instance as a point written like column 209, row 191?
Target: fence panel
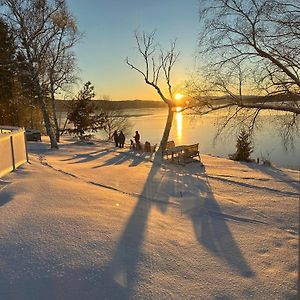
column 19, row 148
column 12, row 149
column 6, row 164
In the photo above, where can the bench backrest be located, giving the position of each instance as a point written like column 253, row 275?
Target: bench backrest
column 170, row 144
column 190, row 150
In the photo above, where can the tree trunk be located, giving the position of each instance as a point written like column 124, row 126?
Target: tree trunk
column 165, row 137
column 48, row 126
column 53, row 104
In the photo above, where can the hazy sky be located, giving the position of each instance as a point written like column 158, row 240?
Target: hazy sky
column 108, row 27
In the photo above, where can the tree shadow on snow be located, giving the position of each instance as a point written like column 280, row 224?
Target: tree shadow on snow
column 210, row 228
column 209, row 223
column 277, row 174
column 122, row 157
column 87, row 157
column 128, row 252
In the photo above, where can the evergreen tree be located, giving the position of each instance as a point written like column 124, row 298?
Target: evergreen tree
column 7, row 52
column 82, row 113
column 243, row 146
column 18, row 105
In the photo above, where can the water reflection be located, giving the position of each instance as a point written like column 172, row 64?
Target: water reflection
column 179, row 124
column 190, row 129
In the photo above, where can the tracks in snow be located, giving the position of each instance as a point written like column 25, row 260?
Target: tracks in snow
column 44, row 162
column 175, row 204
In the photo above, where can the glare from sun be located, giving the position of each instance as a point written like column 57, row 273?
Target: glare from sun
column 178, row 96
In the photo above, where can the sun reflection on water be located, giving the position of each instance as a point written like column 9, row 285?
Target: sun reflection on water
column 179, row 123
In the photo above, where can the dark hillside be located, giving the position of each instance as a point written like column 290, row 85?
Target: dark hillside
column 124, row 104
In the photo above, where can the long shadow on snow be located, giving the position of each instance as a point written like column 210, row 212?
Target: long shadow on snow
column 120, row 158
column 123, row 266
column 87, row 157
column 73, row 284
column 208, row 221
column 5, row 197
column 252, row 186
column 277, row 174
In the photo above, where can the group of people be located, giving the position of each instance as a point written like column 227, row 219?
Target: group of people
column 120, row 139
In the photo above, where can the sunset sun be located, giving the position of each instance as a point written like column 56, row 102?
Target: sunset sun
column 178, row 96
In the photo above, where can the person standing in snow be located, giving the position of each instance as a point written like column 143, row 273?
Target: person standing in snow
column 121, row 139
column 137, row 140
column 116, row 138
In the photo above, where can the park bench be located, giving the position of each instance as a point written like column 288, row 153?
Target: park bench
column 188, row 153
column 168, row 151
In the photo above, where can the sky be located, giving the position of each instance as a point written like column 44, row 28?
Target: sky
column 108, row 38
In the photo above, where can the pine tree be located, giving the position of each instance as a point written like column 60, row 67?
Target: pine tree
column 82, row 113
column 7, row 64
column 18, row 105
column 243, row 146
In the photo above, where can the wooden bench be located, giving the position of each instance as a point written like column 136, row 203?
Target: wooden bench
column 189, row 152
column 169, row 146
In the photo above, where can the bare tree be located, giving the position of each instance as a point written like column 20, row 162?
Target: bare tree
column 61, row 68
column 157, row 65
column 37, row 26
column 115, row 119
column 249, row 47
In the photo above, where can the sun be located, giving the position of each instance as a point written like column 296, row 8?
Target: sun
column 178, row 96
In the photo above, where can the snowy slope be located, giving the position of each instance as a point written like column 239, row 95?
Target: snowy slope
column 95, row 222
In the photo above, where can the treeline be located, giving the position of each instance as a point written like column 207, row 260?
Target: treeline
column 251, row 99
column 62, row 105
column 18, row 103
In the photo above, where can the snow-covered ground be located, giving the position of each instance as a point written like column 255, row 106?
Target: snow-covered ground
column 96, row 222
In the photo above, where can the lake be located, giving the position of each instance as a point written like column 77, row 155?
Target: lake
column 189, row 129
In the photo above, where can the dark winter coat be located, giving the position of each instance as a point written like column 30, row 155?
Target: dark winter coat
column 116, row 137
column 121, row 138
column 137, row 137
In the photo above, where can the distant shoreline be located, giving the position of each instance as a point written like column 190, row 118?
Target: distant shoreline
column 141, row 104
column 116, row 105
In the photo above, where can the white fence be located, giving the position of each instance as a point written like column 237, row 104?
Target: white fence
column 13, row 150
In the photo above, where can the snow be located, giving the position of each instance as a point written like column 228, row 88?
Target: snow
column 96, row 222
